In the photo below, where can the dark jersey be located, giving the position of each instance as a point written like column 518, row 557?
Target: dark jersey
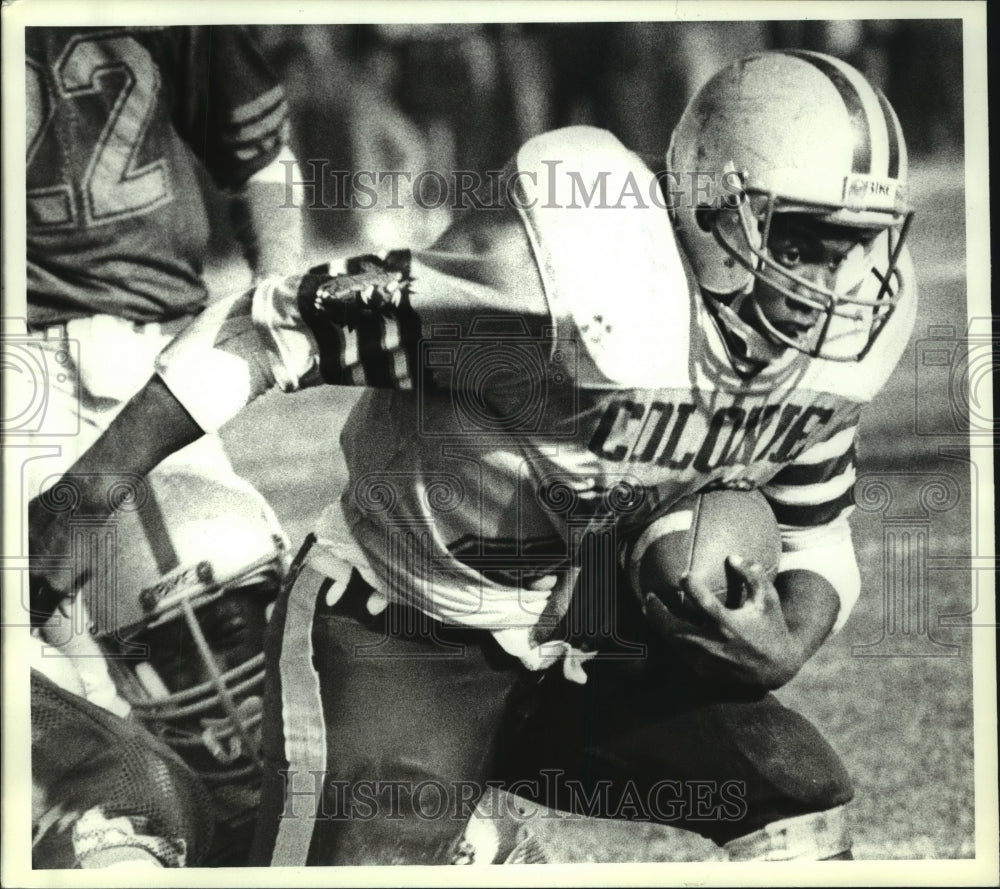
column 114, row 117
column 100, row 783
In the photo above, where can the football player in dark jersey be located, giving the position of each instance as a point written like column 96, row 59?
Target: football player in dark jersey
column 544, row 379
column 118, row 121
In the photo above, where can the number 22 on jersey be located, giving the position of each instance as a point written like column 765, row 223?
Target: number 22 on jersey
column 110, row 183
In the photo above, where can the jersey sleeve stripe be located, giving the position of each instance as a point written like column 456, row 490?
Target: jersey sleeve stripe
column 409, row 341
column 269, row 144
column 800, row 516
column 832, row 447
column 249, row 154
column 814, row 473
column 329, row 337
column 364, row 325
column 407, row 324
column 378, row 333
column 375, row 359
column 257, row 107
column 267, row 125
column 819, row 492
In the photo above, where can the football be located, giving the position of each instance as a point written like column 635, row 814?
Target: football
column 696, row 536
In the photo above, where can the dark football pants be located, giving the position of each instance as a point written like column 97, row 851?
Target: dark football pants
column 382, row 731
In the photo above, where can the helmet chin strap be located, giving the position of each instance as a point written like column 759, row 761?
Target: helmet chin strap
column 752, row 350
column 757, row 348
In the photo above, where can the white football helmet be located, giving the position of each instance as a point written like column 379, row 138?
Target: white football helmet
column 180, row 612
column 801, row 132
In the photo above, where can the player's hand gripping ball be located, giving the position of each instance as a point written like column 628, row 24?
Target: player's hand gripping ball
column 696, row 537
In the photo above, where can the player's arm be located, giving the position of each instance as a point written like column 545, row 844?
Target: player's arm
column 356, row 322
column 267, row 217
column 765, row 641
column 768, row 639
column 812, row 499
column 152, row 426
column 781, row 625
column 218, row 366
column 232, row 111
column 229, row 367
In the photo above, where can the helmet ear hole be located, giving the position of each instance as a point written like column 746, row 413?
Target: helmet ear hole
column 705, row 216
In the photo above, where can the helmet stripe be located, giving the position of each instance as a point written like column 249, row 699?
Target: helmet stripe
column 154, row 526
column 862, row 162
column 892, row 128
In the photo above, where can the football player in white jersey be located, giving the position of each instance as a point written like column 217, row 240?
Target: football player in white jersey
column 556, row 369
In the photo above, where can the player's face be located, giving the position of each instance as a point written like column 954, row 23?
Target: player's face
column 233, row 625
column 811, row 251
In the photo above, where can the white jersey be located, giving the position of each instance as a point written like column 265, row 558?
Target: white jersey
column 545, row 373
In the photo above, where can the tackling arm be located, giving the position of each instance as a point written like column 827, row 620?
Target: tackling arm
column 150, row 427
column 155, row 423
column 355, row 322
column 270, row 227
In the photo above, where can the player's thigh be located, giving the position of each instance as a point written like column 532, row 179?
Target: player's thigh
column 664, row 748
column 385, row 737
column 411, row 725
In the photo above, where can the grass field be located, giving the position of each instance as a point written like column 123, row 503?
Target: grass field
column 903, row 724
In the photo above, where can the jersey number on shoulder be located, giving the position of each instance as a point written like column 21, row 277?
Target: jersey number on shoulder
column 113, row 185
